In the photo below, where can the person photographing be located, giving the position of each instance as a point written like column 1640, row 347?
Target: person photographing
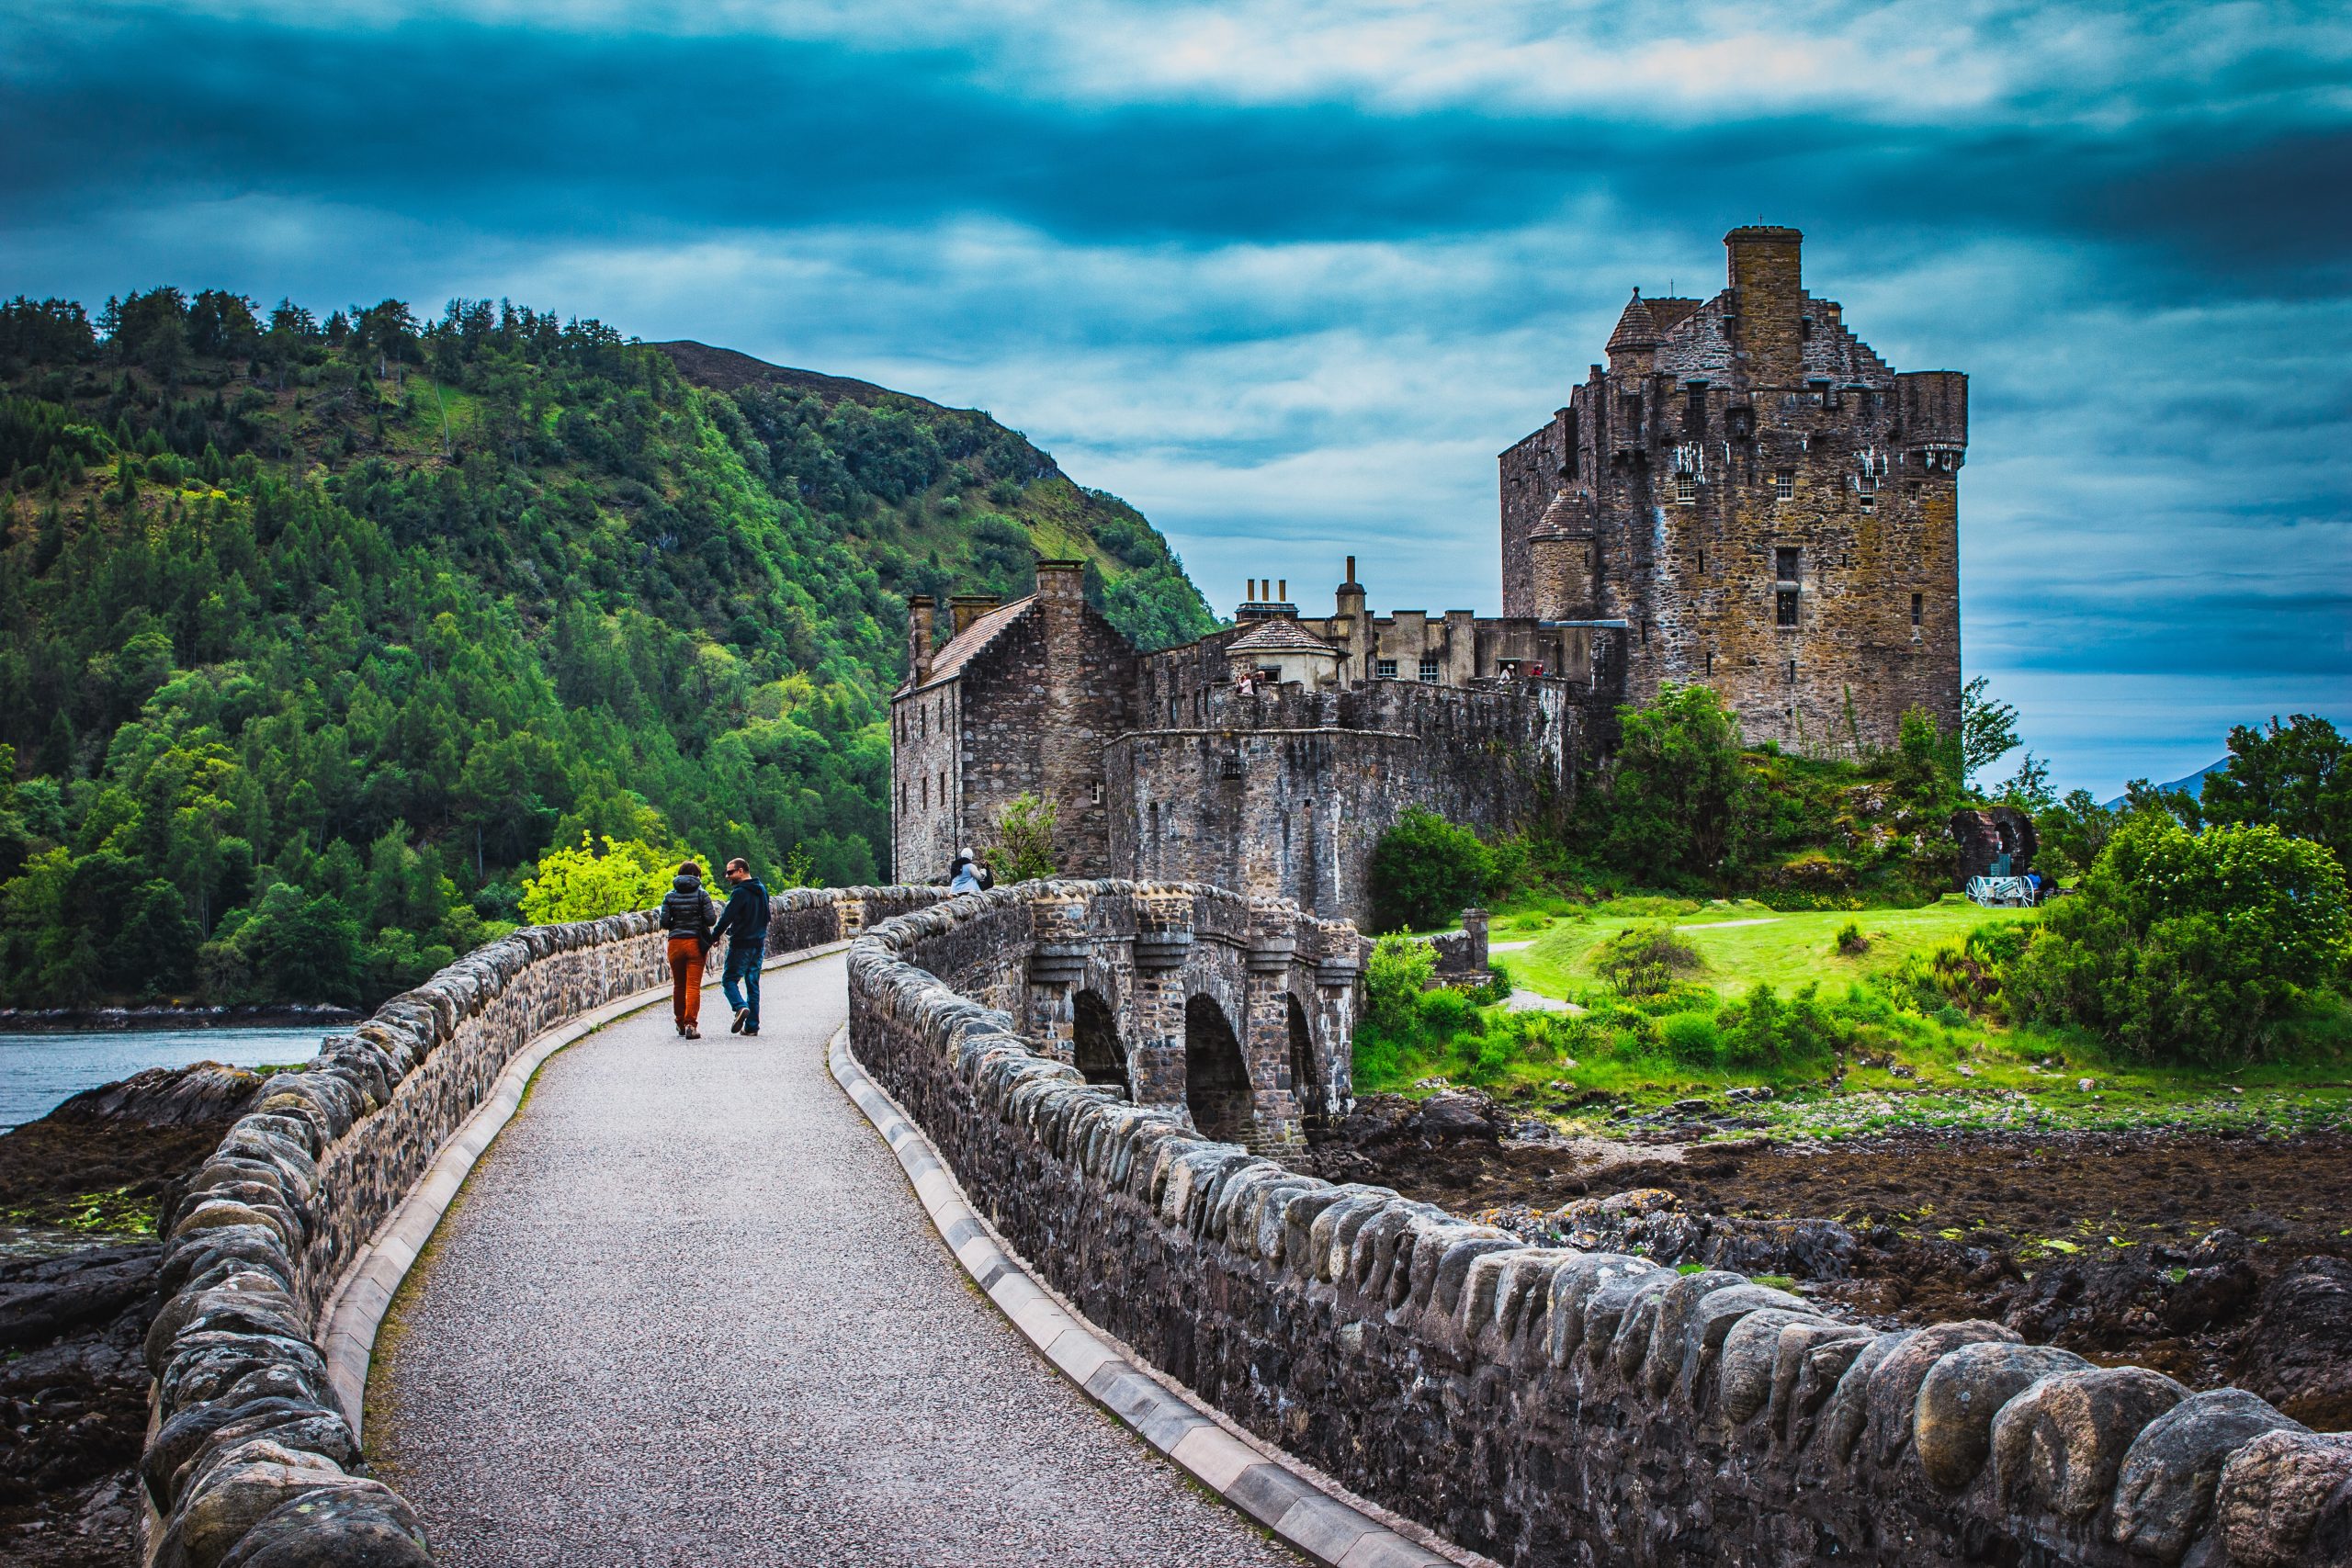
column 744, row 924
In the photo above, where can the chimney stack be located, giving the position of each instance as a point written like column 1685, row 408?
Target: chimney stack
column 969, row 607
column 1767, row 293
column 919, row 623
column 1061, row 580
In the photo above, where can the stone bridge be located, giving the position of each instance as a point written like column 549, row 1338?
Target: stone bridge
column 1235, row 1011
column 692, row 1311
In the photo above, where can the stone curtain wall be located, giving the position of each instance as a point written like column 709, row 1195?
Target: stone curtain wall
column 251, row 1462
column 1557, row 1407
column 1285, row 793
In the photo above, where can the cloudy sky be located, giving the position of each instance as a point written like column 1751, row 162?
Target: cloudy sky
column 1288, row 277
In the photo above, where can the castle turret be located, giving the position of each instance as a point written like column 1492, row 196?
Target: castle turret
column 1560, row 558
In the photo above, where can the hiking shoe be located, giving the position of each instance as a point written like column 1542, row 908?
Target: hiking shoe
column 693, row 1033
column 737, row 1027
column 753, row 1029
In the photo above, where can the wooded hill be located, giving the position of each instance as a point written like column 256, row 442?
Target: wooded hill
column 315, row 635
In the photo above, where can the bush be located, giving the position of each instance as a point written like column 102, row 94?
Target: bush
column 2188, row 946
column 1852, row 942
column 581, row 884
column 1024, row 850
column 1425, row 870
column 1680, row 801
column 1691, row 1039
column 1646, row 961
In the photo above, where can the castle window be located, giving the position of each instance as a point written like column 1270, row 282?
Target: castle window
column 1788, row 562
column 1784, row 485
column 1703, row 560
column 1429, row 668
column 1694, row 411
column 1869, row 501
column 1384, row 669
column 1792, row 672
column 1270, row 674
column 943, row 789
column 1785, row 606
column 1919, row 606
column 1098, row 792
column 1710, row 664
column 1686, row 490
column 926, row 792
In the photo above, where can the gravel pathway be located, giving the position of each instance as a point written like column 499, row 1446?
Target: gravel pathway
column 686, row 1311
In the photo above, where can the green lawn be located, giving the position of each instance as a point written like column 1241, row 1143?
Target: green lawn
column 1740, row 942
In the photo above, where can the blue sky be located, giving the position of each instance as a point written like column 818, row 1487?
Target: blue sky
column 1288, row 277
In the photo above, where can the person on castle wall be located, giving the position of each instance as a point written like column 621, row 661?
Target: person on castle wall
column 744, row 924
column 688, row 915
column 967, row 874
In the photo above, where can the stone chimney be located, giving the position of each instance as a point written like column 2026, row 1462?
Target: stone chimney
column 1061, row 580
column 969, row 607
column 1768, row 292
column 919, row 623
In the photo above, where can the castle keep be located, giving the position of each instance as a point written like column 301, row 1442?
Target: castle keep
column 1746, row 498
column 1771, row 508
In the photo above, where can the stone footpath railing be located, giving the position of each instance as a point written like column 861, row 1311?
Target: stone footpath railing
column 250, row 1463
column 1555, row 1406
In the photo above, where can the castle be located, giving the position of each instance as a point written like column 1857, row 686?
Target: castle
column 1771, row 509
column 1747, row 497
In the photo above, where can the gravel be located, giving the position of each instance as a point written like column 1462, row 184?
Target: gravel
column 686, row 1311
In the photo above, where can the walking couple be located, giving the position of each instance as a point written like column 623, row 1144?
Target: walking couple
column 694, row 923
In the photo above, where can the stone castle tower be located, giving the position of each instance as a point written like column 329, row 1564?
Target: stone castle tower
column 1770, row 508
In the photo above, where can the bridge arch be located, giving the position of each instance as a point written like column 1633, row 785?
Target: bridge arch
column 1217, row 1077
column 1101, row 1054
column 1306, row 1079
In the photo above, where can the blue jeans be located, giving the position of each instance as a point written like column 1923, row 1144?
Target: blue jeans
column 743, row 970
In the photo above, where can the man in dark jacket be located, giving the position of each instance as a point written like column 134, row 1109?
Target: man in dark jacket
column 744, row 924
column 686, row 914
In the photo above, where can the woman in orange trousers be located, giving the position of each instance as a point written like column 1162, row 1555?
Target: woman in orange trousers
column 687, row 914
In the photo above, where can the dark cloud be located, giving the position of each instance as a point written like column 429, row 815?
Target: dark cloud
column 1306, row 322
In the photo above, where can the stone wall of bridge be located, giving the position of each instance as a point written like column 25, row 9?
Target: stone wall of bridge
column 1548, row 1405
column 250, row 1459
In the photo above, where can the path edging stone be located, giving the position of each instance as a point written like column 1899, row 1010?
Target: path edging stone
column 1261, row 1483
column 356, row 1310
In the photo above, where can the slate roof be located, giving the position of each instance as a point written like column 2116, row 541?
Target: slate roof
column 1280, row 634
column 960, row 650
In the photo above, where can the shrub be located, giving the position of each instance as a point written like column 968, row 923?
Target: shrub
column 1679, row 800
column 1852, row 942
column 1425, row 871
column 1024, row 850
column 2180, row 946
column 1646, row 961
column 1691, row 1039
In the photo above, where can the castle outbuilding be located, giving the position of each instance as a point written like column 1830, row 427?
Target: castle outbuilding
column 1746, row 498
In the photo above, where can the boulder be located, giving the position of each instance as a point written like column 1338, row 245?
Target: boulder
column 2298, row 1353
column 1893, row 1392
column 1952, row 1426
column 2285, row 1501
column 2164, row 1495
column 361, row 1525
column 2060, row 1444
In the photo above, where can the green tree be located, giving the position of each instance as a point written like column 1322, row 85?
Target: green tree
column 1679, row 801
column 581, row 884
column 1023, row 847
column 2181, row 945
column 1425, row 870
column 1988, row 728
column 2296, row 777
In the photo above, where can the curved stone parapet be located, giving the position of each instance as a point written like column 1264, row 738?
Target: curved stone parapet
column 1540, row 1405
column 250, row 1461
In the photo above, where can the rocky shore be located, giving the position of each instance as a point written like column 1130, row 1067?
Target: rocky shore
column 83, row 1190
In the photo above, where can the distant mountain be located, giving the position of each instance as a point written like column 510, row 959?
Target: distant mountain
column 2188, row 783
column 315, row 635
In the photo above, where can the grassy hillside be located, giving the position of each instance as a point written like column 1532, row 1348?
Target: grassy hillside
column 315, row 635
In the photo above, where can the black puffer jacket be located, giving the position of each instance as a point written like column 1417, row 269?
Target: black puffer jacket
column 686, row 909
